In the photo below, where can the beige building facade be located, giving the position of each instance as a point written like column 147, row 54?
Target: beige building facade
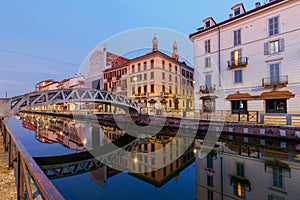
column 249, row 62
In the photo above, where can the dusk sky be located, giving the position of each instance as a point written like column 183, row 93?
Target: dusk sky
column 49, row 39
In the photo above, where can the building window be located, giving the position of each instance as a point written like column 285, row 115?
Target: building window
column 276, row 106
column 145, row 76
column 274, row 73
column 170, row 77
column 237, row 37
column 125, row 71
column 176, row 69
column 170, row 103
column 210, row 195
column 207, row 24
column 238, row 106
column 170, row 67
column 152, row 75
column 145, row 65
column 277, row 177
column 207, row 46
column 210, row 181
column 274, row 46
column 152, row 88
column 237, row 11
column 163, row 64
column 145, row 88
column 209, row 161
column 207, row 62
column 176, row 79
column 170, row 89
column 132, row 90
column 208, row 105
column 273, row 26
column 240, row 169
column 163, row 88
column 238, row 76
column 152, row 64
column 208, row 81
column 235, row 57
column 132, row 68
column 163, row 75
column 139, row 67
column 239, row 189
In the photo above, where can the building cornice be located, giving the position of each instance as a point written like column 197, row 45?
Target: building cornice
column 233, row 19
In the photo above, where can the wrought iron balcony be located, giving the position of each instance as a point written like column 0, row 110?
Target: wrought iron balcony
column 143, row 94
column 275, row 81
column 241, row 62
column 205, row 89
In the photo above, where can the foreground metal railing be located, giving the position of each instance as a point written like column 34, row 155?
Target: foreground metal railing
column 31, row 182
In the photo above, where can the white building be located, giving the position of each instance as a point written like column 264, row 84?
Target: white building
column 250, row 62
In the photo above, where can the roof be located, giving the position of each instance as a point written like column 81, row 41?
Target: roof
column 151, row 54
column 202, row 30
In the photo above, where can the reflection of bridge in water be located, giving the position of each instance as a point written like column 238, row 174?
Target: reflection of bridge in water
column 27, row 101
column 73, row 164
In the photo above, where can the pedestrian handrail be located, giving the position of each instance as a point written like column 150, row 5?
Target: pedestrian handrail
column 31, row 181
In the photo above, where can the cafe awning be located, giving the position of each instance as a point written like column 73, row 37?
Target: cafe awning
column 240, row 96
column 208, row 97
column 277, row 95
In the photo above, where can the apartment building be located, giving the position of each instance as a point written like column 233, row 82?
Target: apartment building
column 249, row 62
column 154, row 79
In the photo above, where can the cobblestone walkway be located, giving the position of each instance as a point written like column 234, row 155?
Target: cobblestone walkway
column 8, row 189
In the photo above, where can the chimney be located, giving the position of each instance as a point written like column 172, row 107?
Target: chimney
column 257, row 4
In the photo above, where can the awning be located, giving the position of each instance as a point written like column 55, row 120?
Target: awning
column 240, row 96
column 277, row 95
column 152, row 101
column 208, row 97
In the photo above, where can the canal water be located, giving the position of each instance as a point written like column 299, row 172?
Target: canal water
column 88, row 160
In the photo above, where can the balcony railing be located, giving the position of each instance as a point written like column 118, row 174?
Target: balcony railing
column 207, row 89
column 143, row 94
column 275, row 81
column 241, row 62
column 166, row 94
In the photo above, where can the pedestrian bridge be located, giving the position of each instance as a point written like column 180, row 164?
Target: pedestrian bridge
column 11, row 106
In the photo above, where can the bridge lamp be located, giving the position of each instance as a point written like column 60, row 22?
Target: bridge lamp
column 61, row 133
column 135, row 79
column 135, row 160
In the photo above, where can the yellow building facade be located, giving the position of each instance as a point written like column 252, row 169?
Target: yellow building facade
column 161, row 83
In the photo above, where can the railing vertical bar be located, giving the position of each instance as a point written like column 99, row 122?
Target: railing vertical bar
column 27, row 181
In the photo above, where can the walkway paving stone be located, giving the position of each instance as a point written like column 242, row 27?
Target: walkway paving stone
column 8, row 190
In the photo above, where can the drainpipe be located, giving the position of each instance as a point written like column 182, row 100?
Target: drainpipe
column 219, row 55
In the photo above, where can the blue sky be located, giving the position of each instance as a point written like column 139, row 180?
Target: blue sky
column 50, row 39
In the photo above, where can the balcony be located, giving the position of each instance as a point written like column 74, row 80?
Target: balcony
column 145, row 94
column 205, row 89
column 241, row 62
column 166, row 94
column 275, row 81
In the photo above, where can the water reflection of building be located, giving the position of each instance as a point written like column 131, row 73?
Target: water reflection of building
column 158, row 167
column 232, row 171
